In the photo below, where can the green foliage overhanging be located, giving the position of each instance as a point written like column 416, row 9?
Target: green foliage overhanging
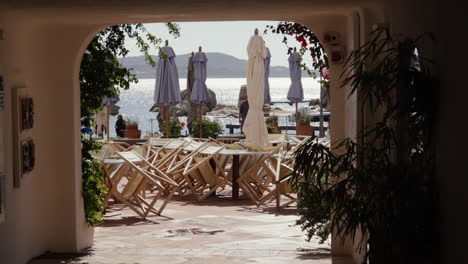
column 383, row 185
column 101, row 75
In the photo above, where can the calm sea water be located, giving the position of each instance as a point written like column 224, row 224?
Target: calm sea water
column 139, row 98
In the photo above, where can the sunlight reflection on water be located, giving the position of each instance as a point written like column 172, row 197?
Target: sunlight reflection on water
column 139, row 98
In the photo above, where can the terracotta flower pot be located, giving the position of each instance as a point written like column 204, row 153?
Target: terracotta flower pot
column 132, row 132
column 304, row 129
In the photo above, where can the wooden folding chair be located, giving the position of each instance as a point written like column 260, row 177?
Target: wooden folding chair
column 202, row 170
column 258, row 181
column 139, row 172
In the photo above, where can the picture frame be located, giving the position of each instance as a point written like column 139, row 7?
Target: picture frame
column 2, row 157
column 2, row 198
column 23, row 140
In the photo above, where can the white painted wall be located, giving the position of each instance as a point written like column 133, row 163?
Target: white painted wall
column 46, row 212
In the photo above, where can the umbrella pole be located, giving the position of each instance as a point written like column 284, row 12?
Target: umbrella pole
column 201, row 121
column 108, row 117
column 297, row 117
column 166, row 114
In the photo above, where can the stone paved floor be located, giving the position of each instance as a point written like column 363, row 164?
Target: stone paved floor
column 214, row 231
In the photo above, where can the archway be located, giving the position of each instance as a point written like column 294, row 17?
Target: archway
column 334, row 65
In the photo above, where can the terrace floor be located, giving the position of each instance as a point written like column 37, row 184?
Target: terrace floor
column 217, row 230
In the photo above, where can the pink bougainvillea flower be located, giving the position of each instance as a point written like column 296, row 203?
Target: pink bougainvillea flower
column 296, row 25
column 304, row 44
column 300, row 38
column 325, row 75
column 312, row 41
column 314, row 60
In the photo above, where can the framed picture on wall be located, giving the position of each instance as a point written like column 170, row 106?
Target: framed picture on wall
column 2, row 157
column 2, row 198
column 23, row 140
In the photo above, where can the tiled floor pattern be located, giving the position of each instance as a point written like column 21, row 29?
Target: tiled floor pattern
column 214, row 231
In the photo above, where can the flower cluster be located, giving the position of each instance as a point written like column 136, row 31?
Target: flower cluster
column 309, row 43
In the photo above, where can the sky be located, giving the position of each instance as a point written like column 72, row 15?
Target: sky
column 226, row 37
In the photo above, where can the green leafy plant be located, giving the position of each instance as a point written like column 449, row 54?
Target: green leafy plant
column 272, row 125
column 93, row 187
column 211, row 129
column 382, row 185
column 272, row 120
column 175, row 128
column 304, row 116
column 132, row 121
column 151, row 133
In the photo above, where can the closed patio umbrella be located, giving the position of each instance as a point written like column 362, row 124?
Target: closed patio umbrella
column 254, row 126
column 108, row 102
column 200, row 94
column 267, row 99
column 167, row 90
column 296, row 92
column 190, row 73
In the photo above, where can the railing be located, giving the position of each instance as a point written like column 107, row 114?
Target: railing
column 231, row 128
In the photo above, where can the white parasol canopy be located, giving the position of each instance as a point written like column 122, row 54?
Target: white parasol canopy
column 254, row 126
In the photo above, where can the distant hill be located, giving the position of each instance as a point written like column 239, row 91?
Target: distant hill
column 220, row 65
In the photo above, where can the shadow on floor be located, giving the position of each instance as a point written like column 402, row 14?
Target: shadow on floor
column 127, row 221
column 269, row 210
column 314, row 253
column 62, row 258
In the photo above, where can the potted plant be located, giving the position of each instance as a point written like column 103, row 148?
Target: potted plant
column 303, row 126
column 272, row 125
column 175, row 128
column 211, row 129
column 131, row 127
column 381, row 185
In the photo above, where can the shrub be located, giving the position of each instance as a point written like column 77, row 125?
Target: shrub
column 272, row 125
column 174, row 128
column 93, row 187
column 211, row 129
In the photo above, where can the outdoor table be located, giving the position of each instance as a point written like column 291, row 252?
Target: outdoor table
column 235, row 153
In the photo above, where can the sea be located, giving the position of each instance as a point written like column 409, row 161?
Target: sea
column 137, row 101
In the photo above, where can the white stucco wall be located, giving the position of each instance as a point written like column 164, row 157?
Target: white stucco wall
column 46, row 212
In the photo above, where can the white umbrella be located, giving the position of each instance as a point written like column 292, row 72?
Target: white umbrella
column 254, row 126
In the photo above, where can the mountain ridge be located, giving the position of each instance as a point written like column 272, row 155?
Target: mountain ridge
column 220, row 65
